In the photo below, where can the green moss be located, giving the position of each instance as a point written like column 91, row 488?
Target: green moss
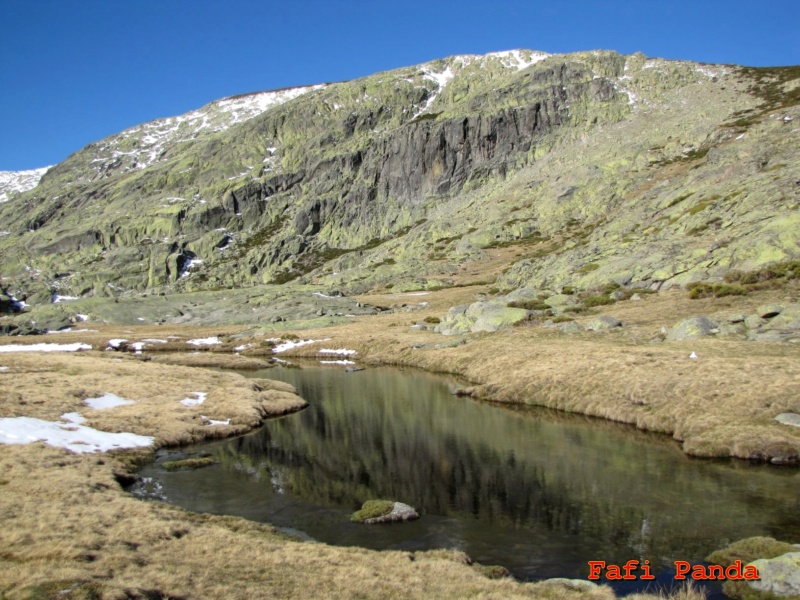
column 432, row 320
column 748, row 550
column 529, row 305
column 562, row 319
column 187, row 463
column 700, row 290
column 372, row 509
column 700, row 206
column 599, row 300
column 588, row 268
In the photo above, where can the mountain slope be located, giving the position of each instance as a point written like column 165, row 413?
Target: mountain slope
column 598, row 167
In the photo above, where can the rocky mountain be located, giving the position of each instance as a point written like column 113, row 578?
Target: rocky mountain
column 596, row 167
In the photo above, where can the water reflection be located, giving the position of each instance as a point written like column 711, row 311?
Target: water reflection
column 537, row 491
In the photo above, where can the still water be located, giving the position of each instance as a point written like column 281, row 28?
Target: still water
column 536, row 491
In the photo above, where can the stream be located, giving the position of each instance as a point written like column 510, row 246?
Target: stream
column 537, row 491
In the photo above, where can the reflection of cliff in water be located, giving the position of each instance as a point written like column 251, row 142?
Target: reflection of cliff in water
column 623, row 493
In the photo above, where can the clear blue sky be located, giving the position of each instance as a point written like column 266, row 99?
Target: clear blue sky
column 75, row 71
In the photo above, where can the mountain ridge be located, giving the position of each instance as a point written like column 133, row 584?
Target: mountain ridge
column 330, row 183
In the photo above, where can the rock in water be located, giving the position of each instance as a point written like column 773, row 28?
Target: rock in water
column 384, row 511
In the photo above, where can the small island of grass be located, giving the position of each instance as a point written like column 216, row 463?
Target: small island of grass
column 383, row 511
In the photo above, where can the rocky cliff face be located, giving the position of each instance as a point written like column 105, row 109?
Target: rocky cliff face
column 601, row 167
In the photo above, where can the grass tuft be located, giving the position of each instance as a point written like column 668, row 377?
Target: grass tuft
column 372, row 509
column 188, row 463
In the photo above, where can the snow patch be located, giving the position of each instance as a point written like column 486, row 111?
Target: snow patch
column 213, row 423
column 199, row 398
column 72, row 436
column 46, row 347
column 73, row 417
column 341, row 351
column 291, row 344
column 106, row 401
column 81, row 317
column 116, row 343
column 519, row 59
column 336, row 362
column 209, row 341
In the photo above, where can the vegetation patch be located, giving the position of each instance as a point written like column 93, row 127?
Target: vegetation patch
column 187, row 463
column 588, row 268
column 432, row 320
column 741, row 283
column 529, row 304
column 598, row 300
column 372, row 509
column 492, row 571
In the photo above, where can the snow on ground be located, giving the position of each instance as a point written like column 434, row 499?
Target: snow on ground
column 212, row 422
column 46, row 347
column 336, row 362
column 242, row 347
column 415, row 294
column 199, row 398
column 3, row 369
column 12, row 182
column 70, row 435
column 65, row 330
column 106, row 401
column 116, row 343
column 342, row 351
column 57, row 298
column 277, row 360
column 290, row 344
column 209, row 341
column 73, row 417
column 154, row 341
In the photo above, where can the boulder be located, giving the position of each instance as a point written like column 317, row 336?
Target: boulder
column 480, row 316
column 754, row 322
column 561, row 301
column 779, row 575
column 491, row 316
column 374, row 512
column 732, row 329
column 787, row 320
column 692, row 327
column 603, row 322
column 788, row 419
column 569, row 327
column 767, row 311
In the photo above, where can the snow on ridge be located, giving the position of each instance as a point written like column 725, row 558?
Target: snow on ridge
column 19, row 181
column 519, row 59
column 156, row 137
column 248, row 106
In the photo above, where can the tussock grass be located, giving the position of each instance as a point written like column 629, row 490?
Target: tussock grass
column 187, row 463
column 372, row 509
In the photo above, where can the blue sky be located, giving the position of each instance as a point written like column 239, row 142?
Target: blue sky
column 75, row 71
